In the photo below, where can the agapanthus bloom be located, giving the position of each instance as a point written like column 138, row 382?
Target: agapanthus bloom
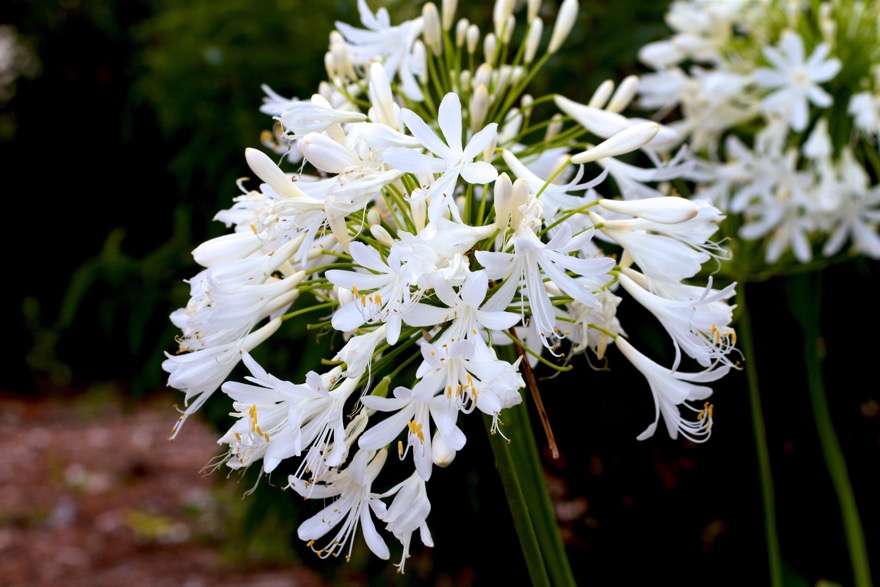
column 780, row 101
column 438, row 239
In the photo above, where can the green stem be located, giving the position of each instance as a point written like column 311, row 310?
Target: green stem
column 804, row 293
column 774, row 555
column 525, row 478
column 519, row 507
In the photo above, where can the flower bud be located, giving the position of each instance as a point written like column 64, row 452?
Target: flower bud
column 380, row 234
column 420, row 61
column 627, row 140
column 503, row 9
column 626, row 91
column 483, row 76
column 385, row 110
column 479, row 107
column 507, row 33
column 461, row 29
column 503, row 200
column 449, row 7
column 441, row 453
column 271, row 174
column 564, row 23
column 431, row 31
column 665, row 210
column 536, row 29
column 554, row 127
column 601, row 95
column 490, row 46
column 473, row 37
column 465, row 80
column 534, row 8
column 326, row 154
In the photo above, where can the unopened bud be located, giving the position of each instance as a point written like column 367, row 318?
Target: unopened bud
column 461, row 28
column 473, row 37
column 507, row 33
column 503, row 9
column 464, row 80
column 490, row 45
column 627, row 140
column 625, row 93
column 344, row 295
column 373, row 217
column 483, row 76
column 665, row 210
column 380, row 234
column 554, row 127
column 601, row 95
column 536, row 29
column 271, row 174
column 564, row 23
column 503, row 200
column 431, row 31
column 420, row 61
column 479, row 107
column 441, row 453
column 519, row 198
column 449, row 7
column 534, row 8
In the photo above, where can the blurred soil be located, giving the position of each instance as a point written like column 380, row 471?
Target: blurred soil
column 93, row 494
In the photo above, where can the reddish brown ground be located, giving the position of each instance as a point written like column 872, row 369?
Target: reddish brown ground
column 93, row 494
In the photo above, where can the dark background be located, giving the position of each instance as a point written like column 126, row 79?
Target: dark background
column 129, row 136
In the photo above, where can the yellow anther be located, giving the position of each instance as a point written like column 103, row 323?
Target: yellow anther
column 354, row 290
column 378, row 299
column 363, row 300
column 448, row 391
column 238, row 436
column 400, row 448
column 254, row 228
column 253, row 414
column 733, row 336
column 416, row 428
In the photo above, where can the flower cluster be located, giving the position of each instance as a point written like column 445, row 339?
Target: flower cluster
column 783, row 100
column 452, row 237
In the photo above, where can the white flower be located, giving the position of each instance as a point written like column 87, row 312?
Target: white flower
column 313, row 418
column 389, row 287
column 864, row 107
column 201, row 372
column 698, row 324
column 452, row 160
column 358, row 351
column 407, row 513
column 796, row 80
column 413, row 409
column 672, row 389
column 531, row 261
column 462, row 307
column 353, row 487
column 392, row 45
